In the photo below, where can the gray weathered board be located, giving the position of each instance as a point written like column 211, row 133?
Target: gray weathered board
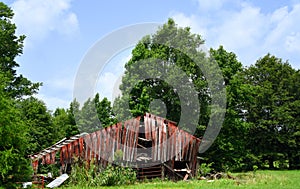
column 58, row 181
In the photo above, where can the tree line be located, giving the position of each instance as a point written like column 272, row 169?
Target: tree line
column 261, row 128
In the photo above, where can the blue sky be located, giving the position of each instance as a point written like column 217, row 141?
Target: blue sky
column 60, row 32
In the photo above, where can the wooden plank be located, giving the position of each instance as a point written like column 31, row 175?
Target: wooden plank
column 141, row 146
column 186, row 146
column 150, row 127
column 153, row 135
column 98, row 149
column 146, row 125
column 136, row 137
column 182, row 144
column 164, row 139
column 158, row 119
column 58, row 181
column 113, row 140
column 194, row 168
column 118, row 135
column 94, row 143
column 70, row 152
column 124, row 135
column 103, row 145
column 130, row 140
column 176, row 144
column 109, row 143
column 81, row 146
column 161, row 140
column 171, row 140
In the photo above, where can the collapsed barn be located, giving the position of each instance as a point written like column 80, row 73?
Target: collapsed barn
column 154, row 146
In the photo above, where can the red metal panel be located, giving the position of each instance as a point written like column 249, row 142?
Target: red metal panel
column 171, row 140
column 186, row 146
column 98, row 149
column 62, row 155
column 130, row 139
column 169, row 137
column 113, row 141
column 87, row 140
column 158, row 120
column 164, row 145
column 35, row 165
column 47, row 158
column 124, row 140
column 69, row 153
column 81, row 145
column 117, row 137
column 153, row 136
column 149, row 127
column 137, row 128
column 176, row 145
column 108, row 143
column 102, row 145
column 146, row 125
column 76, row 147
column 182, row 144
column 53, row 153
column 94, row 145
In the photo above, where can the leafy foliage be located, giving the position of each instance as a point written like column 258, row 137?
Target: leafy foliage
column 94, row 115
column 11, row 46
column 38, row 118
column 274, row 111
column 84, row 174
column 14, row 165
column 162, row 67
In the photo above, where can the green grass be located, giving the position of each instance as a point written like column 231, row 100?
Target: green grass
column 261, row 179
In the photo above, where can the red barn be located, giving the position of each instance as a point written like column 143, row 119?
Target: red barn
column 154, row 146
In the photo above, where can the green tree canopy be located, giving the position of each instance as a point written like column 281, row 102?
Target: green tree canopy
column 11, row 46
column 164, row 64
column 274, row 110
column 14, row 165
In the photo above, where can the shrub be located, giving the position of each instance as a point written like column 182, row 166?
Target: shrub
column 84, row 174
column 204, row 169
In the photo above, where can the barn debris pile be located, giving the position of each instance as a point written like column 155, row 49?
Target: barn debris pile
column 151, row 142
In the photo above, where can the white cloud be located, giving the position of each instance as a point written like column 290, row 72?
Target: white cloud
column 106, row 84
column 241, row 29
column 292, row 42
column 207, row 5
column 36, row 18
column 198, row 25
column 111, row 77
column 248, row 31
column 61, row 83
column 53, row 102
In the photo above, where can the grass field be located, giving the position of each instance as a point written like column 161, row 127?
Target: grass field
column 261, row 179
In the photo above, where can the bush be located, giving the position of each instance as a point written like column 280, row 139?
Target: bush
column 115, row 175
column 84, row 174
column 205, row 169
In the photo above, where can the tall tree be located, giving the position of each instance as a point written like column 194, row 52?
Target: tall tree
column 72, row 111
column 229, row 151
column 164, row 64
column 11, row 46
column 273, row 111
column 42, row 134
column 104, row 111
column 14, row 144
column 64, row 123
column 14, row 165
column 95, row 114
